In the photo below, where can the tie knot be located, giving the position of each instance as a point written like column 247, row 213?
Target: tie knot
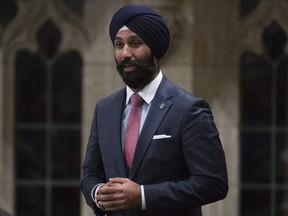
column 136, row 100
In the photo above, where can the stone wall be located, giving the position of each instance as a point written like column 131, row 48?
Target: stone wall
column 202, row 58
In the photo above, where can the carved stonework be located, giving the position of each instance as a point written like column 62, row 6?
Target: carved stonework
column 8, row 11
column 27, row 22
column 253, row 25
column 173, row 14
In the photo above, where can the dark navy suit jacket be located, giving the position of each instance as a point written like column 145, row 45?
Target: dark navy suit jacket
column 180, row 173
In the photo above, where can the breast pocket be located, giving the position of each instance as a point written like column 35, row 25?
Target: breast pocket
column 164, row 156
column 162, row 151
column 162, row 141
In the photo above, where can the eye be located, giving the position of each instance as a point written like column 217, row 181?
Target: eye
column 118, row 44
column 135, row 43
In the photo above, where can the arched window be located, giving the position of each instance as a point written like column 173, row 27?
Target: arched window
column 48, row 93
column 264, row 127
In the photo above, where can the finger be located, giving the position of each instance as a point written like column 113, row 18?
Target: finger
column 107, row 189
column 118, row 180
column 113, row 184
column 112, row 205
column 102, row 199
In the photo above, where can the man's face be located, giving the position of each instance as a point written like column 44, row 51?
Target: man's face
column 135, row 62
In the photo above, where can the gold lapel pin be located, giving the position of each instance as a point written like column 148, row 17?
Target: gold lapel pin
column 162, row 105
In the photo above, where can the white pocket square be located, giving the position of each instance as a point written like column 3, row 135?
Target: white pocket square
column 161, row 136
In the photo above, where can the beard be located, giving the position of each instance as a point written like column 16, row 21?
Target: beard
column 142, row 75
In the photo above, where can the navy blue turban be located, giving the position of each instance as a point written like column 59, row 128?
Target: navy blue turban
column 144, row 22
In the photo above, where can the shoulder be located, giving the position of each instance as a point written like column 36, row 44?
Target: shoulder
column 180, row 97
column 113, row 98
column 176, row 92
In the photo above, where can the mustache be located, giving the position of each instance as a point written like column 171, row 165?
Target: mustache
column 128, row 62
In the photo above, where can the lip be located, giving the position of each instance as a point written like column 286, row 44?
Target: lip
column 128, row 68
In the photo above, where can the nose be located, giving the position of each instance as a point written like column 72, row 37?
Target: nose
column 126, row 52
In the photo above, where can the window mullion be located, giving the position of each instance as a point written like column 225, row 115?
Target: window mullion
column 49, row 143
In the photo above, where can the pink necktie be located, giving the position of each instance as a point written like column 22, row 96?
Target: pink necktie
column 132, row 129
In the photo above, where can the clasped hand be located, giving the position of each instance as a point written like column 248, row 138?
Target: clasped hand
column 119, row 194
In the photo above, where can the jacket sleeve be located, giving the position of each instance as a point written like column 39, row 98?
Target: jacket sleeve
column 93, row 171
column 205, row 160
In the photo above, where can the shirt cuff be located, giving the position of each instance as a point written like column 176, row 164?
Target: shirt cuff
column 143, row 202
column 94, row 192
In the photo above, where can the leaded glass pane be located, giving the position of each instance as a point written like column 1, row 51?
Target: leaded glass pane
column 282, row 158
column 281, row 202
column 8, row 11
column 49, row 38
column 65, row 201
column 30, row 201
column 274, row 40
column 256, row 90
column 66, row 154
column 282, row 93
column 67, row 88
column 255, row 157
column 248, row 6
column 75, row 5
column 255, row 202
column 30, row 154
column 30, row 84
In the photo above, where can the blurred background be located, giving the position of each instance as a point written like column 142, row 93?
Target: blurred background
column 56, row 61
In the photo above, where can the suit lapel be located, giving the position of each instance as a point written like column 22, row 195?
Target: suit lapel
column 159, row 107
column 116, row 137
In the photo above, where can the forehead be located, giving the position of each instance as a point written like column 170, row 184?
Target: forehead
column 126, row 33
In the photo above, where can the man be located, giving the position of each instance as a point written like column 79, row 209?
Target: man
column 177, row 164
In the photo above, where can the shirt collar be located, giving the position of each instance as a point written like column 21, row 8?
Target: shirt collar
column 148, row 92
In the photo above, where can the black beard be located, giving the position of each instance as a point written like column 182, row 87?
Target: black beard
column 141, row 76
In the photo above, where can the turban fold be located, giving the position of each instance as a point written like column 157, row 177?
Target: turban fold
column 144, row 22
